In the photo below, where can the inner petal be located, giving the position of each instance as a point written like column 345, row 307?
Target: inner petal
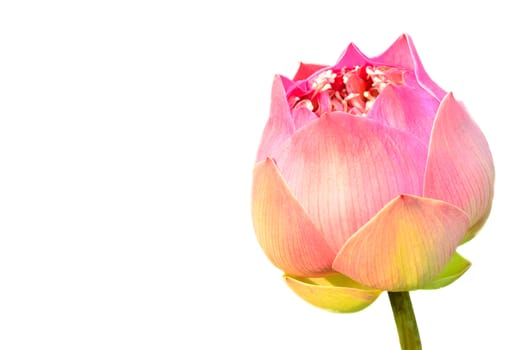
column 349, row 90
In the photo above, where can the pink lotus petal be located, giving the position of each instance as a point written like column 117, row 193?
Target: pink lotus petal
column 306, row 69
column 459, row 166
column 351, row 57
column 344, row 169
column 405, row 108
column 280, row 124
column 302, row 116
column 405, row 246
column 403, row 53
column 289, row 84
column 287, row 235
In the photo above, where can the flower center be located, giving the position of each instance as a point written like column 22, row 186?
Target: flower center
column 350, row 90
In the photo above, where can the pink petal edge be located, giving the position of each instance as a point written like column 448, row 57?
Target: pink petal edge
column 279, row 126
column 305, row 70
column 403, row 53
column 460, row 166
column 351, row 57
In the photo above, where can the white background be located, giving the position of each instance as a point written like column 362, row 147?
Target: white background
column 128, row 131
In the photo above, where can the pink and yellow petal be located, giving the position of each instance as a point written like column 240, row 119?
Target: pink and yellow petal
column 405, row 246
column 285, row 232
column 335, row 293
column 402, row 53
column 280, row 125
column 344, row 169
column 460, row 166
column 455, row 268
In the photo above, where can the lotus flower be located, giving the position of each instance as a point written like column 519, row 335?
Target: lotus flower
column 368, row 178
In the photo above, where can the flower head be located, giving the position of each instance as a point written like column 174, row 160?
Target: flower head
column 368, row 177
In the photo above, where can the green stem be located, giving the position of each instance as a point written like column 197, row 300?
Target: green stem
column 405, row 320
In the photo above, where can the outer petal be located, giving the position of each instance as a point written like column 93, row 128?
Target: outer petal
column 344, row 169
column 459, row 166
column 280, row 124
column 405, row 108
column 403, row 53
column 335, row 293
column 287, row 235
column 455, row 268
column 405, row 245
column 306, row 69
